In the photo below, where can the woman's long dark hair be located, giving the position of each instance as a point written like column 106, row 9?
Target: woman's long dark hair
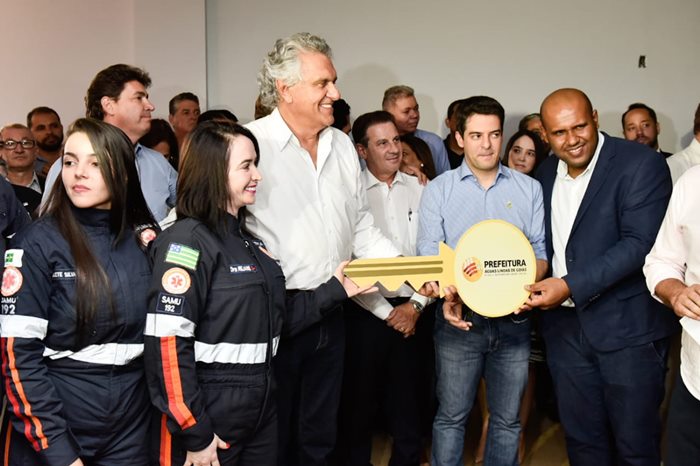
column 422, row 150
column 128, row 213
column 162, row 132
column 540, row 151
column 202, row 185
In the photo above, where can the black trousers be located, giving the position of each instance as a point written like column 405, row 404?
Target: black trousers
column 683, row 446
column 103, row 435
column 382, row 372
column 608, row 401
column 309, row 371
column 243, row 412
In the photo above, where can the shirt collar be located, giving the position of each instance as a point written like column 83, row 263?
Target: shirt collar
column 563, row 170
column 694, row 145
column 138, row 150
column 282, row 134
column 280, row 131
column 463, row 171
column 372, row 181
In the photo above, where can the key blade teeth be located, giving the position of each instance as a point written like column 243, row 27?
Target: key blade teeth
column 392, row 283
column 360, row 280
column 415, row 283
column 394, row 272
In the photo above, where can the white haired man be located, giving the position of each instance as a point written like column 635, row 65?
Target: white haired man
column 311, row 214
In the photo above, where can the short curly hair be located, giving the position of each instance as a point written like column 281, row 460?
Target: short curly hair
column 282, row 62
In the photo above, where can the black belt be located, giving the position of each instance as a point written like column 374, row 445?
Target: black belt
column 469, row 314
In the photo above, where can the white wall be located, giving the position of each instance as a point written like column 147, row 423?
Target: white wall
column 515, row 51
column 446, row 49
column 52, row 49
column 170, row 38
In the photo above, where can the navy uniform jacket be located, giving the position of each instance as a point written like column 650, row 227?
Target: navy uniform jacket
column 13, row 216
column 216, row 311
column 614, row 229
column 63, row 394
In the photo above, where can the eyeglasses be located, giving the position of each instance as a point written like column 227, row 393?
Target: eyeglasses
column 11, row 143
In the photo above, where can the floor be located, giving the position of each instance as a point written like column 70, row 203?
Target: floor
column 544, row 444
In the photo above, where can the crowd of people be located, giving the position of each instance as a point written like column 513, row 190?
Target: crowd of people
column 174, row 291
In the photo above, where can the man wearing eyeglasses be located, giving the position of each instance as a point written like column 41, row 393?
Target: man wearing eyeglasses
column 18, row 150
column 19, row 153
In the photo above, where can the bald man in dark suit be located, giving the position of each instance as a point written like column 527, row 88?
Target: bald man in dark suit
column 606, row 337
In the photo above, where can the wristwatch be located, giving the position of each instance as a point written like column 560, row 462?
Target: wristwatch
column 417, row 306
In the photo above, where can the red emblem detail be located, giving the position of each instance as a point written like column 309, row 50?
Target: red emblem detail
column 11, row 281
column 176, row 280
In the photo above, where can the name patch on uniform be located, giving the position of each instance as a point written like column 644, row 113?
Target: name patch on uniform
column 13, row 257
column 8, row 305
column 242, row 268
column 182, row 255
column 169, row 304
column 176, row 280
column 11, row 281
column 63, row 275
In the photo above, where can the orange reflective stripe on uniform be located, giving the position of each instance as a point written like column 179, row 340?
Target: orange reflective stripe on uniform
column 6, row 456
column 173, row 383
column 165, row 442
column 40, row 442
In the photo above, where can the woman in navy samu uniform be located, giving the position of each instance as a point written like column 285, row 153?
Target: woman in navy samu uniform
column 217, row 309
column 74, row 308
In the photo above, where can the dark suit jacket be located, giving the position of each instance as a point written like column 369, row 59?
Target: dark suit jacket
column 614, row 229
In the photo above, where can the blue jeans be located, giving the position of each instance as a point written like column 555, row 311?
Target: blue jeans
column 497, row 349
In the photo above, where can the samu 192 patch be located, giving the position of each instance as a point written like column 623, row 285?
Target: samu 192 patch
column 13, row 257
column 242, row 268
column 170, row 304
column 11, row 281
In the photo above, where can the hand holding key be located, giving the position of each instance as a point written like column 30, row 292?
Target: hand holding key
column 490, row 266
column 452, row 309
column 351, row 288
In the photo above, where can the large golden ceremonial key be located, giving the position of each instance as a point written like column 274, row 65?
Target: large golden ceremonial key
column 490, row 266
column 394, row 272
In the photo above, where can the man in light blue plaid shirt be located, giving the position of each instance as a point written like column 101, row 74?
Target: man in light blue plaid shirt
column 467, row 345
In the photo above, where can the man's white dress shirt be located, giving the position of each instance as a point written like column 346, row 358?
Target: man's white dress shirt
column 311, row 217
column 676, row 254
